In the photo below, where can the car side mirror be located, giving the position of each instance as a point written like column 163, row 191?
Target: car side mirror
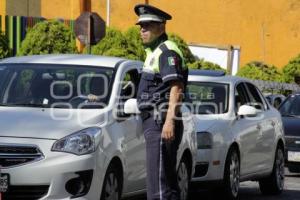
column 131, row 107
column 246, row 110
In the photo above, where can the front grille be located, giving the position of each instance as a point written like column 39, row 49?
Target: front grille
column 292, row 142
column 25, row 192
column 14, row 154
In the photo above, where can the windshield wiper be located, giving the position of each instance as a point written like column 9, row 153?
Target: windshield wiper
column 28, row 105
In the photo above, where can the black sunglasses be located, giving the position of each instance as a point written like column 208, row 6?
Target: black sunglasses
column 148, row 24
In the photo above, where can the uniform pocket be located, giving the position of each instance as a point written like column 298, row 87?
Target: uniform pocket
column 146, row 85
column 148, row 76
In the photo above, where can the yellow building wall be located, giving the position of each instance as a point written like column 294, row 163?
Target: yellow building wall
column 2, row 13
column 266, row 30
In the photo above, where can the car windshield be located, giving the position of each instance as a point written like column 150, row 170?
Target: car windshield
column 291, row 107
column 208, row 98
column 54, row 86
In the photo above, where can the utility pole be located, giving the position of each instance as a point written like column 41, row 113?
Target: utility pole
column 229, row 59
column 107, row 12
column 85, row 6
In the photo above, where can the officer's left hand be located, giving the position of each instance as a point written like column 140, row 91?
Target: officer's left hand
column 168, row 131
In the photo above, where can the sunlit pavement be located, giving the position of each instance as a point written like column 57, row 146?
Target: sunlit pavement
column 250, row 191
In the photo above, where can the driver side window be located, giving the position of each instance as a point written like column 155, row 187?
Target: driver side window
column 129, row 85
column 255, row 98
column 240, row 96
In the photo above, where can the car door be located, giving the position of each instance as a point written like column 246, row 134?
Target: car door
column 247, row 131
column 266, row 138
column 134, row 142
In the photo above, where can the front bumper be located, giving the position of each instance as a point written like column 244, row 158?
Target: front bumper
column 293, row 164
column 209, row 165
column 53, row 171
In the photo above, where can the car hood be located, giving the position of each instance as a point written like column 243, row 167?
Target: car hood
column 46, row 123
column 291, row 126
column 205, row 122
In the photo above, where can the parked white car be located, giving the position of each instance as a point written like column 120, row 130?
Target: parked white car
column 240, row 136
column 64, row 134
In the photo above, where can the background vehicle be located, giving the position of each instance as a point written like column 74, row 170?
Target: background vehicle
column 275, row 99
column 240, row 136
column 290, row 112
column 56, row 143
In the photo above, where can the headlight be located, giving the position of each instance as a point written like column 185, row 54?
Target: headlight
column 204, row 140
column 79, row 143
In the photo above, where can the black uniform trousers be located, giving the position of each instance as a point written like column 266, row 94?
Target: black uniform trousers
column 161, row 156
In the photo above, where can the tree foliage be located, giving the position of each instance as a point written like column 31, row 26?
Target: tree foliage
column 205, row 65
column 260, row 71
column 48, row 37
column 132, row 35
column 4, row 47
column 292, row 70
column 182, row 45
column 115, row 44
column 129, row 45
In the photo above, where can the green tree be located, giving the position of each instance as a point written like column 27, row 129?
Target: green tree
column 182, row 45
column 114, row 44
column 4, row 47
column 129, row 45
column 292, row 70
column 260, row 71
column 205, row 65
column 133, row 37
column 48, row 37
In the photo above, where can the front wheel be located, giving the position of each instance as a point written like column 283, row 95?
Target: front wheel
column 274, row 184
column 183, row 179
column 111, row 189
column 232, row 175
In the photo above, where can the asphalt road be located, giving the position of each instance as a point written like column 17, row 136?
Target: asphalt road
column 250, row 191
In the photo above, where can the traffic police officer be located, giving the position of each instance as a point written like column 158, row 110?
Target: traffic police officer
column 160, row 92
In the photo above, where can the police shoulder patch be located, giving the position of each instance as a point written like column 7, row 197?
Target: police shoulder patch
column 172, row 61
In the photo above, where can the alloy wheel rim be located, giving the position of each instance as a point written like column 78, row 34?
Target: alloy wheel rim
column 280, row 170
column 234, row 174
column 111, row 188
column 183, row 181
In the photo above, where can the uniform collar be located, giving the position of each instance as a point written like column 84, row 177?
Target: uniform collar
column 153, row 45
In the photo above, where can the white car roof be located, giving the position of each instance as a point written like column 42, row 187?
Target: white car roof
column 67, row 59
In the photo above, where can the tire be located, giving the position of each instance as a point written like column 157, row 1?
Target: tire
column 231, row 180
column 112, row 188
column 274, row 184
column 183, row 179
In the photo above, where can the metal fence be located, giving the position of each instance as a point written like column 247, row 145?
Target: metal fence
column 276, row 86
